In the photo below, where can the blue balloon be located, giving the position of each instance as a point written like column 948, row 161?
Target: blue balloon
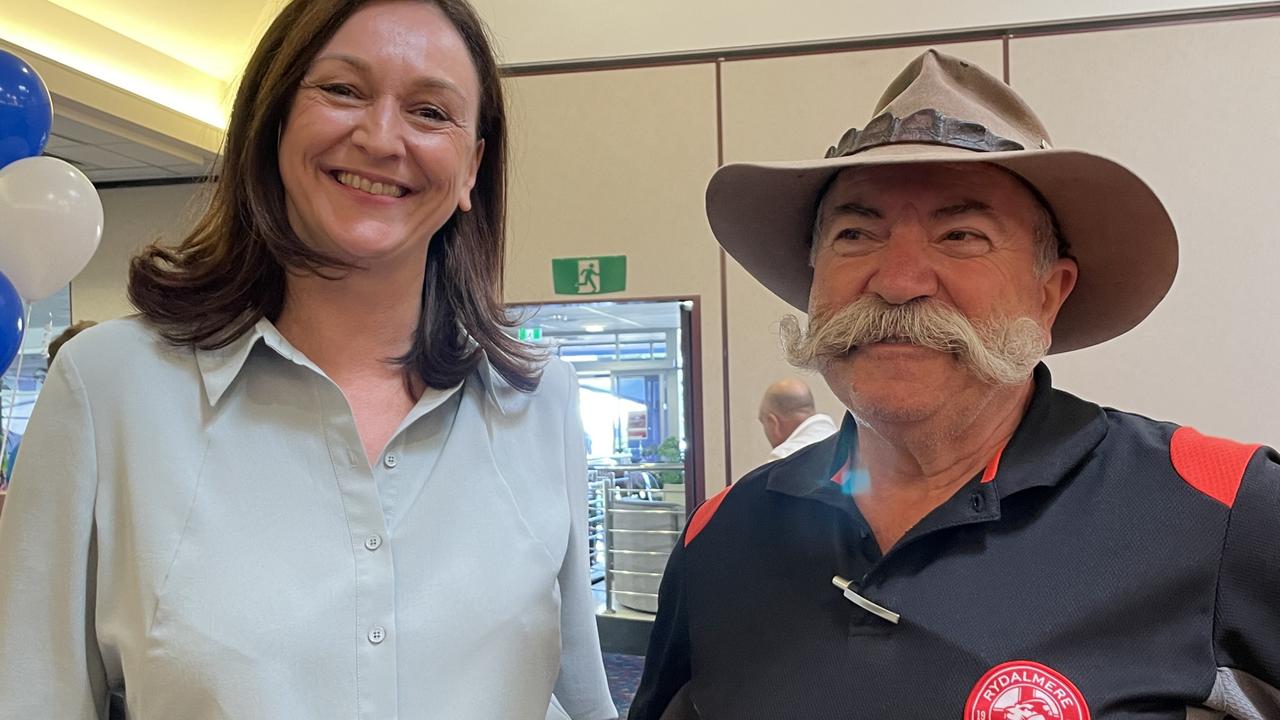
column 26, row 111
column 12, row 320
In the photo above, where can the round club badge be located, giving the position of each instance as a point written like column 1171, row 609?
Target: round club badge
column 1025, row 690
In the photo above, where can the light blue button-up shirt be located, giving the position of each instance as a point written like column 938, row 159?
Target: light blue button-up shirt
column 201, row 534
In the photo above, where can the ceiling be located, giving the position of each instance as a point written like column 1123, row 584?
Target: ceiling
column 142, row 87
column 106, row 157
column 212, row 37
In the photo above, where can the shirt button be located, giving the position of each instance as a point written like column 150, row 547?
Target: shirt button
column 391, row 460
column 377, row 634
column 373, row 542
column 978, row 503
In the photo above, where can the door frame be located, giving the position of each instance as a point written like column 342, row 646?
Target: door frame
column 695, row 468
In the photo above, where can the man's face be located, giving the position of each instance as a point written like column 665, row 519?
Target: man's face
column 959, row 234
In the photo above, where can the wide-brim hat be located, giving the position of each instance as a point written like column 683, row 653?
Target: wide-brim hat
column 944, row 109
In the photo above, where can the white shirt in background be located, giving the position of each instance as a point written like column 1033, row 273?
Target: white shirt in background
column 816, row 427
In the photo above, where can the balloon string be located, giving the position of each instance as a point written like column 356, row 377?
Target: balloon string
column 13, row 401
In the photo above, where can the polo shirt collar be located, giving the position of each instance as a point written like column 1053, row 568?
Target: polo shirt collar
column 808, row 472
column 1054, row 437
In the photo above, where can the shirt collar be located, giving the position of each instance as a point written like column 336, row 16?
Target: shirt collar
column 219, row 368
column 807, row 423
column 507, row 399
column 1055, row 435
column 807, row 473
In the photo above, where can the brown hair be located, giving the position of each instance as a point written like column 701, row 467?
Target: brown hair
column 73, row 330
column 230, row 270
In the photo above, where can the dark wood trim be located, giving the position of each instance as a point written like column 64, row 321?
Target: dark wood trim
column 1004, row 54
column 152, row 182
column 719, row 115
column 607, row 297
column 1195, row 16
column 724, row 294
column 878, row 42
column 696, row 491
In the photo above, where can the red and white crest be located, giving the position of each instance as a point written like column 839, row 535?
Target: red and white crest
column 1025, row 690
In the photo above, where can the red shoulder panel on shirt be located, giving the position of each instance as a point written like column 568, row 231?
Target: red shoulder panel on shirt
column 1214, row 466
column 702, row 515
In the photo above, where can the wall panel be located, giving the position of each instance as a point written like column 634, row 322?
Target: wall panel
column 615, row 163
column 1191, row 109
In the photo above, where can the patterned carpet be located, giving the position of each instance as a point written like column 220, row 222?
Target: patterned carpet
column 624, row 677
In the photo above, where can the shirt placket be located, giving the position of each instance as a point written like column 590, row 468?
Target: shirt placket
column 375, row 621
column 389, row 479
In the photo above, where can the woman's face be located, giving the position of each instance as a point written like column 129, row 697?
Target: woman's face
column 379, row 148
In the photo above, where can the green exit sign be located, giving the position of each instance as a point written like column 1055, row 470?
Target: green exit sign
column 589, row 275
column 529, row 333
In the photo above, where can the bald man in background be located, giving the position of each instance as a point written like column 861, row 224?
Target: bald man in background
column 790, row 419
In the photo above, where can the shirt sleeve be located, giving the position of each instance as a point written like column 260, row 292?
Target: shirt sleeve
column 667, row 665
column 1247, row 616
column 582, row 687
column 50, row 664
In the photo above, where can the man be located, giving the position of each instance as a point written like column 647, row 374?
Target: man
column 973, row 543
column 789, row 418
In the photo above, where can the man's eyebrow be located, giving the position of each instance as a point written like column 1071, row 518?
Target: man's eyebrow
column 855, row 208
column 964, row 207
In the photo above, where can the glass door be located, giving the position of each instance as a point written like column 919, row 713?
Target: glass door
column 633, row 363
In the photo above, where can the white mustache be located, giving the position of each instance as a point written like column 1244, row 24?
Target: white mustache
column 998, row 352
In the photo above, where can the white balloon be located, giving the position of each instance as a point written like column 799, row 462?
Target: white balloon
column 50, row 224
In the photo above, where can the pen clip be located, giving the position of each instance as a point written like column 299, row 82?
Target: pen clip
column 853, row 597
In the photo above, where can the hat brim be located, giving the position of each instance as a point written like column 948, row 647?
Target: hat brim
column 1118, row 230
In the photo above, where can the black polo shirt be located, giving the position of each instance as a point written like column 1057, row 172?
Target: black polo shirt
column 1105, row 565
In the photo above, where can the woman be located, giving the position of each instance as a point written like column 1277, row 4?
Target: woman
column 315, row 479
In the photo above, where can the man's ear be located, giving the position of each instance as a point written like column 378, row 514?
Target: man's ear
column 1056, row 288
column 772, row 425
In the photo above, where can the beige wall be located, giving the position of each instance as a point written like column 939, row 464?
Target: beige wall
column 787, row 109
column 1192, row 109
column 614, row 163
column 132, row 217
column 559, row 29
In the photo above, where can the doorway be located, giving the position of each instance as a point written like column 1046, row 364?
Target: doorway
column 637, row 365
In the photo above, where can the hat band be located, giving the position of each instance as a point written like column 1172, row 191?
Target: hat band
column 923, row 126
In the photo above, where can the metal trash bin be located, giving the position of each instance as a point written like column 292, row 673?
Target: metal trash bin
column 642, row 534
